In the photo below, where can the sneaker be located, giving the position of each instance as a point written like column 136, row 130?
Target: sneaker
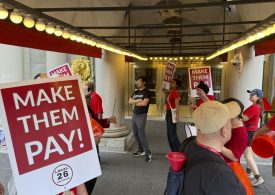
column 257, row 182
column 139, row 153
column 148, row 158
column 250, row 175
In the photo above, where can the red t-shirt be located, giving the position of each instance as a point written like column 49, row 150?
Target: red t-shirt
column 200, row 101
column 253, row 112
column 96, row 103
column 174, row 94
column 237, row 143
column 271, row 123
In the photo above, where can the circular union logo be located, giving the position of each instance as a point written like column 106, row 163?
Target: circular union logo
column 62, row 175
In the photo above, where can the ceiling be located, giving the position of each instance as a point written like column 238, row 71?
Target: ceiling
column 200, row 26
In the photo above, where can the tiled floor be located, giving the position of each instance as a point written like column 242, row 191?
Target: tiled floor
column 127, row 175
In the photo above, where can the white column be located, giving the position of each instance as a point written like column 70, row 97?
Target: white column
column 11, row 63
column 251, row 76
column 110, row 78
column 54, row 59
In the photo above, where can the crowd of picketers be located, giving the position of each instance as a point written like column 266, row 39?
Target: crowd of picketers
column 225, row 131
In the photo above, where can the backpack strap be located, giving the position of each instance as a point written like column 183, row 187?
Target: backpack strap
column 185, row 143
column 200, row 161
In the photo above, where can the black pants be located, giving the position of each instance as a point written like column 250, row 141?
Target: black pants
column 90, row 185
column 250, row 137
column 172, row 135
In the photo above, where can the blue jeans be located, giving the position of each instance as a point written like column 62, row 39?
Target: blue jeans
column 174, row 183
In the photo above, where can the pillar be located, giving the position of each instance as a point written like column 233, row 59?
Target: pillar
column 238, row 82
column 11, row 63
column 110, row 73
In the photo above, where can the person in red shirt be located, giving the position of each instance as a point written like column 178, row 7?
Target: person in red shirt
column 251, row 117
column 202, row 92
column 172, row 102
column 95, row 101
column 234, row 148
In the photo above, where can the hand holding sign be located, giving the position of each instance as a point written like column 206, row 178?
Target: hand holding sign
column 168, row 76
column 200, row 74
column 201, row 93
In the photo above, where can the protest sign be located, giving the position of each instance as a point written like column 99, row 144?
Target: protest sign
column 48, row 135
column 62, row 70
column 200, row 74
column 168, row 76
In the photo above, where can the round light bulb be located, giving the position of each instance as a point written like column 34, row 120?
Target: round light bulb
column 40, row 25
column 108, row 48
column 251, row 39
column 272, row 29
column 260, row 35
column 98, row 45
column 78, row 38
column 28, row 21
column 58, row 31
column 16, row 17
column 66, row 34
column 93, row 43
column 72, row 36
column 3, row 13
column 50, row 28
column 84, row 40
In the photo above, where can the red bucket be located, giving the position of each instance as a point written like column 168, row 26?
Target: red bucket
column 176, row 160
column 264, row 145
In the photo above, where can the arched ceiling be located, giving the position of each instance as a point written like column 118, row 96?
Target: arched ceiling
column 149, row 33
